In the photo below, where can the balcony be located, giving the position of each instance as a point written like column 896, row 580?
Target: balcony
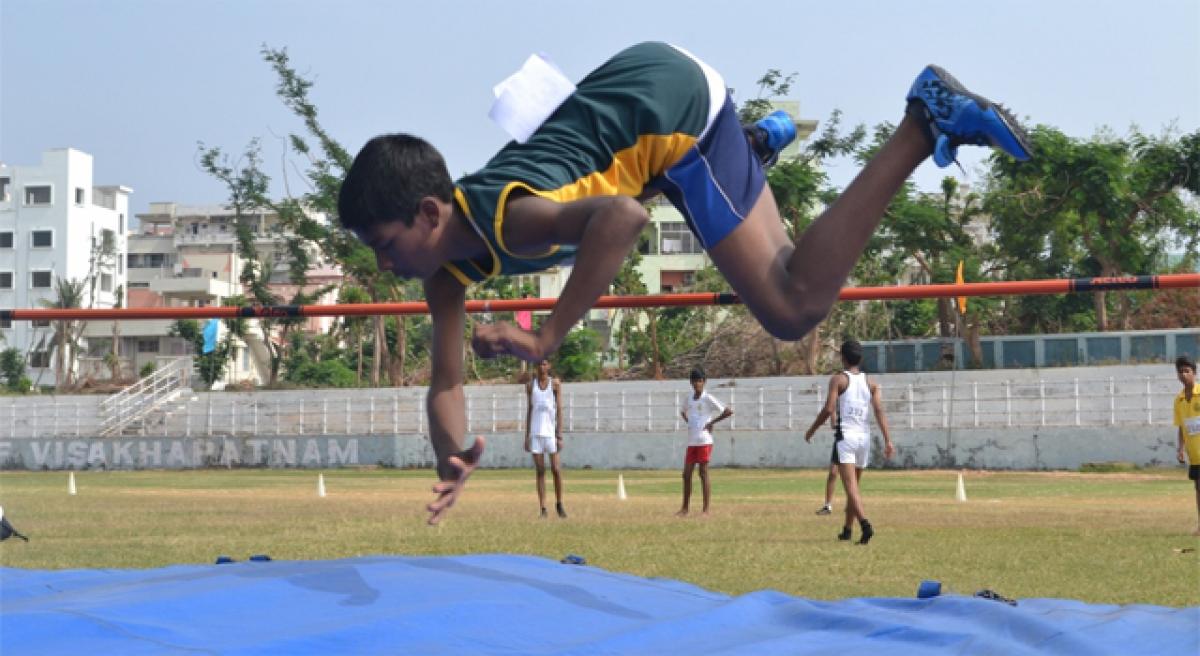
column 193, row 284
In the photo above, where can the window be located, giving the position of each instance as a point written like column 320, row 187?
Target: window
column 4, row 182
column 106, row 282
column 40, row 323
column 674, row 237
column 79, row 195
column 147, row 345
column 6, row 239
column 41, row 238
column 40, row 279
column 5, row 324
column 39, row 359
column 139, row 285
column 37, row 195
column 6, row 279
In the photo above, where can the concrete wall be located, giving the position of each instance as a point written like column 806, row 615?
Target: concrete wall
column 387, row 426
column 1041, row 448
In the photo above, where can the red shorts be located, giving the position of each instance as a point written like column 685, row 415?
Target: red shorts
column 698, row 454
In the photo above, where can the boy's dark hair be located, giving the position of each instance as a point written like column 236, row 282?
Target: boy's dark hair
column 1184, row 361
column 388, row 179
column 852, row 352
column 697, row 374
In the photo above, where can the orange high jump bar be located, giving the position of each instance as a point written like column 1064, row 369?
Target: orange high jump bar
column 1009, row 288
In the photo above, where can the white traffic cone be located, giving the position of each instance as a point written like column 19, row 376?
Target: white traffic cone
column 961, row 493
column 621, row 487
column 321, row 485
column 71, row 484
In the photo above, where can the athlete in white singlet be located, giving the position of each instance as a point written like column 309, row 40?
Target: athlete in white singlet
column 851, row 399
column 543, row 432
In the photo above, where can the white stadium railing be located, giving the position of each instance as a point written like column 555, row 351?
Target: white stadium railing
column 1108, row 401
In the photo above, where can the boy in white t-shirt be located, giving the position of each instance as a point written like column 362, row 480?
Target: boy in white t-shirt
column 701, row 411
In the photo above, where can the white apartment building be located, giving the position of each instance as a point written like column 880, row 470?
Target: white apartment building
column 52, row 217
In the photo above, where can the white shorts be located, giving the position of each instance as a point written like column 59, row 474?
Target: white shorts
column 854, row 450
column 539, row 444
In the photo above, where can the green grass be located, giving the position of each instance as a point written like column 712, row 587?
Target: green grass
column 1101, row 538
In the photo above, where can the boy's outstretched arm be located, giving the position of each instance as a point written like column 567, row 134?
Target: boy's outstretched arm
column 605, row 229
column 828, row 409
column 445, row 403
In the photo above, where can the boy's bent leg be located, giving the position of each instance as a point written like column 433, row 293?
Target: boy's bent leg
column 790, row 286
column 687, row 489
column 854, row 506
column 539, row 466
column 1196, row 481
column 556, row 471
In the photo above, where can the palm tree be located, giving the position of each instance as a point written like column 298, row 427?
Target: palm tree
column 68, row 294
column 354, row 327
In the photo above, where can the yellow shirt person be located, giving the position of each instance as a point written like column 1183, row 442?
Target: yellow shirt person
column 1187, row 421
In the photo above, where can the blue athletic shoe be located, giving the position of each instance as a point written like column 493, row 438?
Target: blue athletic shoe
column 770, row 135
column 955, row 116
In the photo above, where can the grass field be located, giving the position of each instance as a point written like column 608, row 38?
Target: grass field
column 1101, row 538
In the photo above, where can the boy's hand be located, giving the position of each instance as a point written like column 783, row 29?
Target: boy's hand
column 528, row 445
column 461, row 465
column 708, row 427
column 558, row 443
column 492, row 340
column 808, row 435
column 889, row 450
column 1181, row 455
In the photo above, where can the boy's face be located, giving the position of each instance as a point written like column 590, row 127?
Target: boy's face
column 1187, row 376
column 698, row 385
column 405, row 250
column 543, row 368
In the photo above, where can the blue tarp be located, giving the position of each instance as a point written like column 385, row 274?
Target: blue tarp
column 525, row 605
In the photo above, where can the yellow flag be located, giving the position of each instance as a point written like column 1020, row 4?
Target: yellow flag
column 958, row 280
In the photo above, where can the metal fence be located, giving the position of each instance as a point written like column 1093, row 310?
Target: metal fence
column 1108, row 401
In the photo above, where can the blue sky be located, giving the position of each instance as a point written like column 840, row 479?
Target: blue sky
column 137, row 83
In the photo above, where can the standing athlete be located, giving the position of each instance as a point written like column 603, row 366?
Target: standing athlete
column 543, row 433
column 851, row 398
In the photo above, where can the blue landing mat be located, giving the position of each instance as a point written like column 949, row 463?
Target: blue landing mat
column 500, row 604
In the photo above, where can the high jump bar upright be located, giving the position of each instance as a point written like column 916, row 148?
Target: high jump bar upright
column 1006, row 288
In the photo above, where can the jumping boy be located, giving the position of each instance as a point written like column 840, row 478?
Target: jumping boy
column 1187, row 418
column 851, row 397
column 701, row 411
column 653, row 119
column 543, row 433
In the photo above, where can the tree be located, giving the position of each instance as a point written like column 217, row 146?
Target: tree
column 353, row 328
column 1104, row 206
column 114, row 354
column 211, row 365
column 12, row 368
column 68, row 294
column 578, row 358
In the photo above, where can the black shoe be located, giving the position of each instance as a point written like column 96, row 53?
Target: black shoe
column 845, row 534
column 561, row 513
column 543, row 514
column 867, row 532
column 825, row 510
